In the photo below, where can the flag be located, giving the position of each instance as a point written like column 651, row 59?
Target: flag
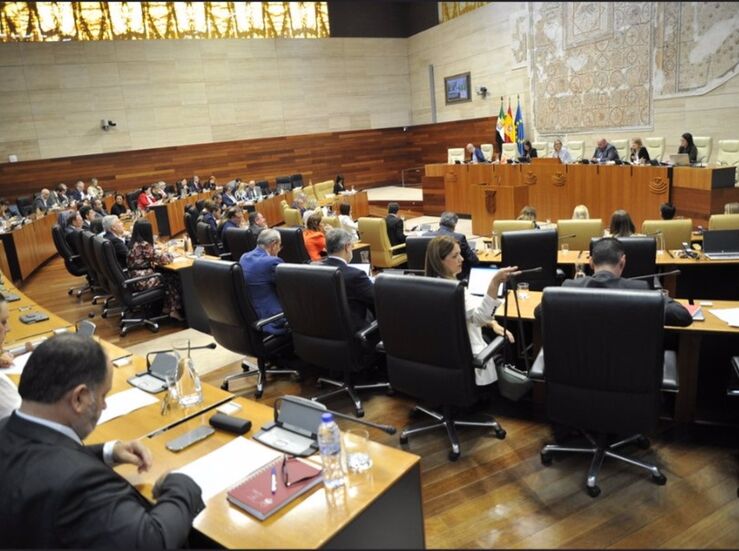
column 510, row 129
column 519, row 128
column 501, row 121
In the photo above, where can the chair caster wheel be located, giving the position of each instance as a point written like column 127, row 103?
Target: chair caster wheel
column 319, row 384
column 546, row 459
column 360, row 413
column 224, row 386
column 643, row 443
column 453, row 456
column 155, row 329
column 660, row 480
column 104, row 315
column 404, row 440
column 70, row 292
column 500, row 434
column 298, row 378
column 390, row 392
column 258, row 394
column 414, row 413
column 593, row 491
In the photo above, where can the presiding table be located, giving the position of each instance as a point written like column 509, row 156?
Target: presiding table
column 490, row 192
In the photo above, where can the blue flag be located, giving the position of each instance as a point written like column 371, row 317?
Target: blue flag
column 520, row 137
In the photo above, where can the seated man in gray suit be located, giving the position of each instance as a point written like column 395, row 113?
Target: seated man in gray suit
column 57, row 492
column 604, row 152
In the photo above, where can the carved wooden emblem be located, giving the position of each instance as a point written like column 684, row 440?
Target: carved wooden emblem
column 658, row 185
column 490, row 201
column 530, row 178
column 559, row 179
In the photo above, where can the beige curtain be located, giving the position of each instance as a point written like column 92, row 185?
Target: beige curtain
column 55, row 21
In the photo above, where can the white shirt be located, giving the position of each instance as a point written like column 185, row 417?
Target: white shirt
column 349, row 225
column 9, row 397
column 69, row 433
column 563, row 155
column 479, row 312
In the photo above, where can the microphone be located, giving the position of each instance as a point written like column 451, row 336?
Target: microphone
column 650, row 276
column 211, row 346
column 569, row 235
column 389, row 429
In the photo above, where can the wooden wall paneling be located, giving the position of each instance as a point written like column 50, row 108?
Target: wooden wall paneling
column 366, row 158
column 584, row 183
column 433, row 195
column 549, row 192
column 4, row 266
column 645, row 191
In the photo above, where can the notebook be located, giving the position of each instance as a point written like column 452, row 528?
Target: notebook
column 254, row 495
column 480, row 280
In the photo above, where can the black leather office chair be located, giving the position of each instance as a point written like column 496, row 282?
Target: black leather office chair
column 428, row 350
column 238, row 241
column 191, row 217
column 233, row 322
column 207, row 239
column 531, row 249
column 25, row 205
column 296, row 180
column 641, row 257
column 132, row 198
column 603, row 363
column 283, row 182
column 415, row 248
column 72, row 260
column 101, row 290
column 139, row 307
column 293, row 246
column 264, row 184
column 315, row 305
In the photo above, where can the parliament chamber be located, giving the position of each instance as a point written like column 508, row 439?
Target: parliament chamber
column 365, row 137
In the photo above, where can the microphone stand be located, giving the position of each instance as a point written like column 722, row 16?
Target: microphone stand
column 212, row 346
column 512, row 280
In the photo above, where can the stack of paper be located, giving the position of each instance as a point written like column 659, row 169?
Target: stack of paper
column 123, row 403
column 729, row 315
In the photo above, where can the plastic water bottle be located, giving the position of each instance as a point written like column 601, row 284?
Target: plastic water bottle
column 329, row 445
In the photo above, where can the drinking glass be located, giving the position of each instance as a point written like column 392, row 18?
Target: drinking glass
column 364, row 255
column 565, row 247
column 356, row 446
column 579, row 271
column 523, row 290
column 496, row 242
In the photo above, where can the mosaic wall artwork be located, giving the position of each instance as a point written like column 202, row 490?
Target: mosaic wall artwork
column 599, row 65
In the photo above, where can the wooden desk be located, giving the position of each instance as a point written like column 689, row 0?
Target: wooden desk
column 688, row 347
column 19, row 332
column 358, row 202
column 553, row 189
column 381, row 509
column 170, row 216
column 699, row 192
column 28, row 247
column 271, row 210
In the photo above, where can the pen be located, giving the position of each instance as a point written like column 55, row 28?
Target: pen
column 274, row 481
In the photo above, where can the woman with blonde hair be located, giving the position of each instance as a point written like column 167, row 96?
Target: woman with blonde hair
column 444, row 260
column 581, row 212
column 639, row 154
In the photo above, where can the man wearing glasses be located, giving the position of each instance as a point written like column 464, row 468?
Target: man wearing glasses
column 259, row 267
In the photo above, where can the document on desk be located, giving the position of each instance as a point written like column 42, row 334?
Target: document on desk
column 228, row 465
column 19, row 362
column 123, row 403
column 729, row 315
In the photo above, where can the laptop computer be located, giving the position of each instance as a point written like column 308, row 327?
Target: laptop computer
column 479, row 281
column 721, row 244
column 680, row 159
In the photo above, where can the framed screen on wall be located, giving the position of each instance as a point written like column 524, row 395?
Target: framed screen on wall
column 457, row 88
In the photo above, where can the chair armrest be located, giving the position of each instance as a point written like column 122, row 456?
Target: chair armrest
column 414, row 272
column 536, row 373
column 128, row 282
column 670, row 381
column 225, row 256
column 362, row 335
column 266, row 321
column 485, row 354
column 395, row 248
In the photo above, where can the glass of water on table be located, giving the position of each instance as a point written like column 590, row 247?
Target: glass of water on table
column 356, row 447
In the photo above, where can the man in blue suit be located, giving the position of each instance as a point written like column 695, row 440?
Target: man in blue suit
column 476, row 155
column 233, row 218
column 259, row 267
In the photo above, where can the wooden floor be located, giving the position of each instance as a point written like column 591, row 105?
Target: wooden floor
column 498, row 494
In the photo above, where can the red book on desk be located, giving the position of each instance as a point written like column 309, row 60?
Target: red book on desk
column 695, row 311
column 254, row 495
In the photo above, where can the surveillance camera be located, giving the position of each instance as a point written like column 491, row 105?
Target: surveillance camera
column 483, row 90
column 111, row 123
column 105, row 124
